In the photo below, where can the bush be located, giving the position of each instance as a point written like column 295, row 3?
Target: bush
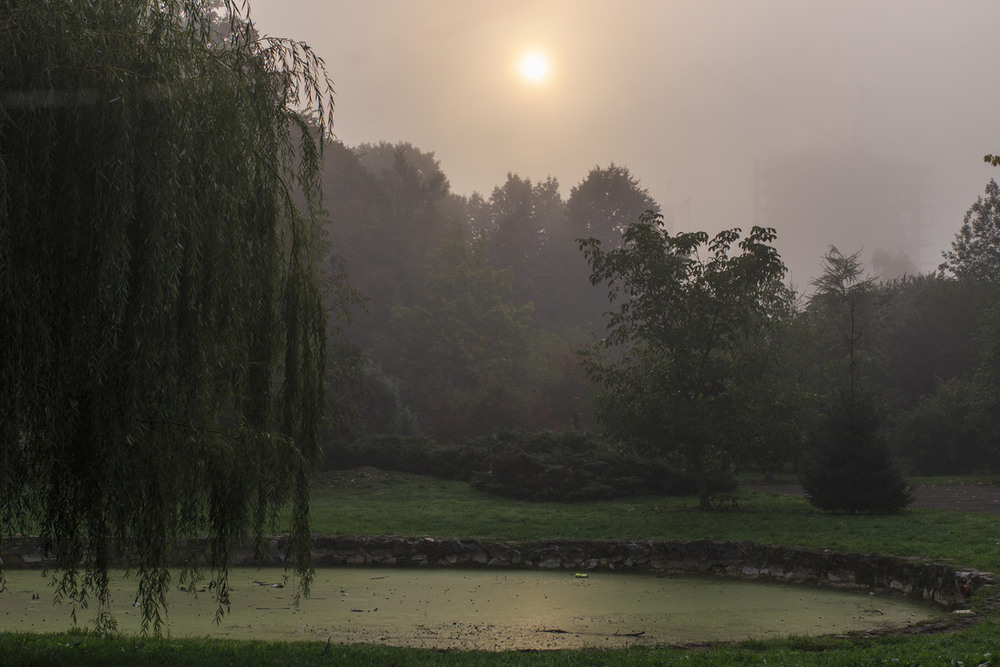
column 851, row 469
column 414, row 453
column 536, row 466
column 569, row 466
column 938, row 435
column 382, row 409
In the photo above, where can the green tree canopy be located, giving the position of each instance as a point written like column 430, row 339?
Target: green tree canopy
column 160, row 320
column 986, row 397
column 687, row 349
column 605, row 203
column 518, row 217
column 975, row 258
column 975, row 252
column 465, row 338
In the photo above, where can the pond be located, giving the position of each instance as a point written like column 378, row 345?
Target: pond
column 486, row 609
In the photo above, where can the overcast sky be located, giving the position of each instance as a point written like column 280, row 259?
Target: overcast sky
column 685, row 93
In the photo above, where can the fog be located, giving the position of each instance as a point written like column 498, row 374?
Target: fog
column 696, row 98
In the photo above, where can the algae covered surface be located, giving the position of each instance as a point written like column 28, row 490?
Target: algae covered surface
column 484, row 609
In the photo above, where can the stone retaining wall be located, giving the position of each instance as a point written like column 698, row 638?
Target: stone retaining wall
column 914, row 578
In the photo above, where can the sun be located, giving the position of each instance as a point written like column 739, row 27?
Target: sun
column 534, row 66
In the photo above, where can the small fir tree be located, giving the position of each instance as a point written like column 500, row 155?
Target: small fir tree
column 851, row 469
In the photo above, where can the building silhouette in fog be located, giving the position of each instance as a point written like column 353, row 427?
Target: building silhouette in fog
column 853, row 199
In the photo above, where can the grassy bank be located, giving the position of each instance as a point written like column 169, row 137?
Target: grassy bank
column 396, row 503
column 975, row 646
column 402, row 504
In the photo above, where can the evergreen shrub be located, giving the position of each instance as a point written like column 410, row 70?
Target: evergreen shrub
column 851, row 468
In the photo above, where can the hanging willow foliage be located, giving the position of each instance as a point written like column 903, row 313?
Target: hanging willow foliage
column 161, row 332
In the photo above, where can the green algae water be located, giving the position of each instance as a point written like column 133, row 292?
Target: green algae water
column 484, row 609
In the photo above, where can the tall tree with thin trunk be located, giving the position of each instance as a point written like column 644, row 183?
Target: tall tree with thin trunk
column 851, row 468
column 161, row 329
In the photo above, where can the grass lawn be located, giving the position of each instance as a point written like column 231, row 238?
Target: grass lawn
column 397, row 503
column 403, row 504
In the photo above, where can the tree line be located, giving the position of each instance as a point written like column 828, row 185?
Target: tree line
column 474, row 307
column 524, row 311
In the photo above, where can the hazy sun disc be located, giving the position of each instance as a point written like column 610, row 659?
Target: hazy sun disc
column 534, row 66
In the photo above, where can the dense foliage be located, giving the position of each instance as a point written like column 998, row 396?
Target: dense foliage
column 538, row 466
column 160, row 317
column 684, row 364
column 851, row 469
column 477, row 305
column 975, row 252
column 519, row 294
column 164, row 333
column 572, row 466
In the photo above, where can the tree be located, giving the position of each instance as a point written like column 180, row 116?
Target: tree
column 519, row 216
column 605, row 203
column 986, row 379
column 514, row 236
column 975, row 252
column 844, row 310
column 413, row 190
column 466, row 339
column 939, row 435
column 601, row 206
column 975, row 258
column 851, row 468
column 161, row 323
column 390, row 208
column 687, row 351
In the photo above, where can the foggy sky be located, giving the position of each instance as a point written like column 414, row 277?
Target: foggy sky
column 686, row 94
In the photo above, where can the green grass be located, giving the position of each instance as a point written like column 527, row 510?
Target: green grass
column 403, row 504
column 397, row 503
column 975, row 646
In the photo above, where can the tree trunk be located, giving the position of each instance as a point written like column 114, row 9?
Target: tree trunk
column 701, row 476
column 704, row 492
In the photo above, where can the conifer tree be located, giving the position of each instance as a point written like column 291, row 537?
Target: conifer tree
column 851, row 469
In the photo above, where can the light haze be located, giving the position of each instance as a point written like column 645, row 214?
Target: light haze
column 689, row 95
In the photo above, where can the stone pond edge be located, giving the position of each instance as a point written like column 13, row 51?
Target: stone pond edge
column 915, row 578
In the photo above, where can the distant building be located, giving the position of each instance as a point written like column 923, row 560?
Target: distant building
column 852, row 199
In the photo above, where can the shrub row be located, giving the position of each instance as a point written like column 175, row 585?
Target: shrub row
column 539, row 466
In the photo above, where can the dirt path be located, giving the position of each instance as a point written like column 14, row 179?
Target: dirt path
column 980, row 499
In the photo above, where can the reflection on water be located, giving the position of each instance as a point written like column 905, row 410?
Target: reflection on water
column 487, row 609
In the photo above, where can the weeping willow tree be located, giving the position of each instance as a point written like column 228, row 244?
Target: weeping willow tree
column 161, row 331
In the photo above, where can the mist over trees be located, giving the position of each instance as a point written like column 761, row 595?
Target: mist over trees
column 478, row 316
column 476, row 306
